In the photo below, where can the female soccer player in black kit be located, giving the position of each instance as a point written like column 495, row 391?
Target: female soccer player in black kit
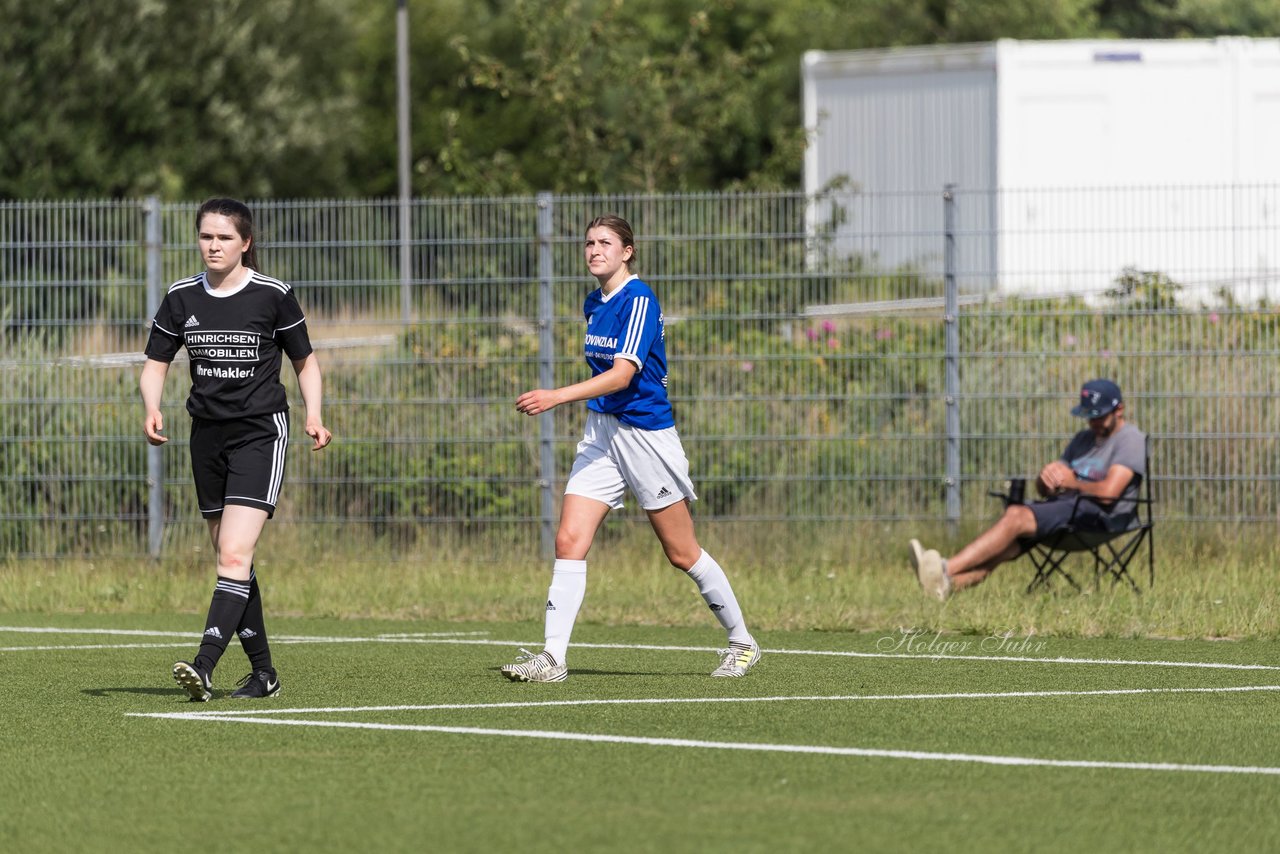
column 235, row 323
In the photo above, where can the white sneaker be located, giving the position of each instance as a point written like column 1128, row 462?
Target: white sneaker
column 738, row 660
column 931, row 571
column 535, row 667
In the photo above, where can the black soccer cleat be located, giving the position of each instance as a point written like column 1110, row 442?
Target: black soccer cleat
column 257, row 685
column 198, row 685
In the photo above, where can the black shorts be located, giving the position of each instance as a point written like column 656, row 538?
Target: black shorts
column 239, row 462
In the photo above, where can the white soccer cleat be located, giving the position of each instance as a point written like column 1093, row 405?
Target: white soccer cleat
column 535, row 667
column 738, row 660
column 931, row 571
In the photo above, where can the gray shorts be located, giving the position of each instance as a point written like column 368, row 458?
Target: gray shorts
column 1052, row 515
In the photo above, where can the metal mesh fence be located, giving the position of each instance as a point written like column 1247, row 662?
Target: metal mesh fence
column 813, row 380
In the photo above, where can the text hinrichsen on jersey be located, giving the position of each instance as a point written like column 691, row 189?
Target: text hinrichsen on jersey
column 222, row 346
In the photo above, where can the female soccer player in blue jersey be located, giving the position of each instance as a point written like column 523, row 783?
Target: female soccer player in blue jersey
column 236, row 324
column 630, row 441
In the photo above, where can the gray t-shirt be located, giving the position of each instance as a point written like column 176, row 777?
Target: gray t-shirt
column 1091, row 460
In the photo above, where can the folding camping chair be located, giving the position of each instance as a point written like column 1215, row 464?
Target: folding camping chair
column 1112, row 551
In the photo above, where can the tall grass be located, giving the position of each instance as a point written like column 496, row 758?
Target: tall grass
column 1210, row 583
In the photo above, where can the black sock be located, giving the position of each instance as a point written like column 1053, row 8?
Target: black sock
column 228, row 604
column 252, row 629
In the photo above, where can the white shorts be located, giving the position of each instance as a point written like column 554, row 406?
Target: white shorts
column 613, row 456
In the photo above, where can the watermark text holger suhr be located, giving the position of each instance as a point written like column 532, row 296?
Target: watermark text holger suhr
column 922, row 642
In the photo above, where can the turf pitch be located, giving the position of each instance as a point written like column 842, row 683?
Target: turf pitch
column 396, row 736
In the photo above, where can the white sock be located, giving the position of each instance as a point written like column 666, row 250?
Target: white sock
column 713, row 584
column 568, row 586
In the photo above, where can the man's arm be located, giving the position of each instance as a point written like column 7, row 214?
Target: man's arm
column 1057, row 477
column 1110, row 487
column 1052, row 477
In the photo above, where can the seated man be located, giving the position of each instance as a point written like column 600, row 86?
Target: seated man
column 1105, row 462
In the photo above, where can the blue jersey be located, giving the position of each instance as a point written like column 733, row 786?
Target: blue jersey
column 627, row 324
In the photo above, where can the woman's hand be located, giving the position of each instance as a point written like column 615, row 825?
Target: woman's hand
column 537, row 401
column 152, row 425
column 319, row 433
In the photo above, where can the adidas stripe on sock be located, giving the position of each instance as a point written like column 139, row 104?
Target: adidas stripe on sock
column 230, row 598
column 252, row 628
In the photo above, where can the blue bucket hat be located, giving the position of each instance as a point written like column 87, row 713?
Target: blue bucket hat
column 1097, row 398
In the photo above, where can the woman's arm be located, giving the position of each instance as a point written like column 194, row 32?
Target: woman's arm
column 311, row 386
column 613, row 380
column 151, row 384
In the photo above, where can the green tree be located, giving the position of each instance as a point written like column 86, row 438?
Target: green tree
column 613, row 96
column 1164, row 19
column 297, row 97
column 247, row 97
column 642, row 95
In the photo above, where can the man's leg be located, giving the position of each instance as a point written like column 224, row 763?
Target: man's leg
column 940, row 577
column 978, row 574
column 999, row 543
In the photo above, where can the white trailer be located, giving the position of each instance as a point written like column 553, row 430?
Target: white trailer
column 1073, row 160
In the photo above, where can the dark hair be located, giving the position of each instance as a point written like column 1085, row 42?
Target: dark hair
column 240, row 215
column 620, row 227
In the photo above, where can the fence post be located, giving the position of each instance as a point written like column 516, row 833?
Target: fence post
column 546, row 372
column 402, row 160
column 951, row 319
column 154, row 238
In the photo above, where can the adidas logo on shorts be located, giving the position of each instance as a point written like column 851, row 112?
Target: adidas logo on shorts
column 191, row 321
column 550, row 607
column 212, row 631
column 664, row 493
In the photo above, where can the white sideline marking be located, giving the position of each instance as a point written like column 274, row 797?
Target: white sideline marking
column 469, row 638
column 56, row 630
column 985, row 695
column 193, row 637
column 51, row 630
column 827, row 750
column 430, row 634
column 175, row 645
column 933, row 656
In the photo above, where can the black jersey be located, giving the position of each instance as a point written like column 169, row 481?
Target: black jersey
column 234, row 342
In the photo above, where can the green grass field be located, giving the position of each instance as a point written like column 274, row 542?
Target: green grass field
column 402, row 736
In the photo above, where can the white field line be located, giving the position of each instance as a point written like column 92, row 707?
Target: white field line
column 192, row 637
column 468, row 639
column 642, row 701
column 58, row 630
column 826, row 750
column 97, row 646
